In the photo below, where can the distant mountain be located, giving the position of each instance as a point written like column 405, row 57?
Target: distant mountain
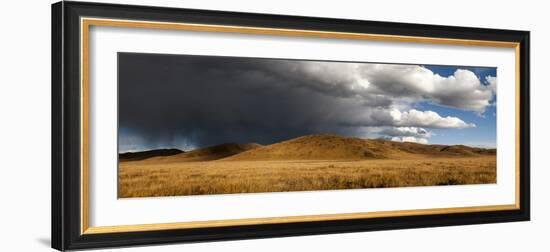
column 135, row 156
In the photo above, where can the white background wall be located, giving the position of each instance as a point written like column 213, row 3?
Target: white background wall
column 25, row 125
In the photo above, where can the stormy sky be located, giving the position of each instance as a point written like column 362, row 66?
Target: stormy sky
column 188, row 102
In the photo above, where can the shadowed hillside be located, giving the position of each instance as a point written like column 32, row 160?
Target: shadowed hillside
column 136, row 156
column 209, row 153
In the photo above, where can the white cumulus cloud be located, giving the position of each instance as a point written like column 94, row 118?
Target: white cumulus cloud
column 462, row 90
column 427, row 119
column 405, row 131
column 410, row 139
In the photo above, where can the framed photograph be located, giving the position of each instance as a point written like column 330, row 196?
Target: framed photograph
column 181, row 125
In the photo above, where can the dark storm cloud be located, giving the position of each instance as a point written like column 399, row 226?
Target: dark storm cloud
column 203, row 100
column 210, row 100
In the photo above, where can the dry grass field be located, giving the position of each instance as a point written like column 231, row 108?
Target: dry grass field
column 220, row 177
column 318, row 162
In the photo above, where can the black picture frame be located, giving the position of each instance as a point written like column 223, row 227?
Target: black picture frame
column 66, row 150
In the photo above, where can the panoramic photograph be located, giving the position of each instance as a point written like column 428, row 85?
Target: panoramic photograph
column 202, row 125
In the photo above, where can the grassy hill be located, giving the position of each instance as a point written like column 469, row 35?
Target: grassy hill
column 310, row 147
column 332, row 147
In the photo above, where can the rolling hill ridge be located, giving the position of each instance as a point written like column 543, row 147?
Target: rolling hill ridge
column 312, row 147
column 333, row 147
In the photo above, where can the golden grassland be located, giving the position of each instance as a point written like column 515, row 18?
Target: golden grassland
column 150, row 179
